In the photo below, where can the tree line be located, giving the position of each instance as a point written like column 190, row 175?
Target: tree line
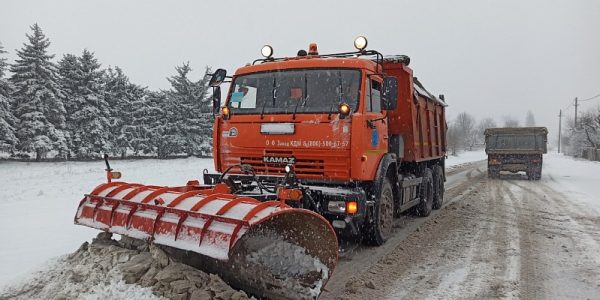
column 466, row 133
column 75, row 109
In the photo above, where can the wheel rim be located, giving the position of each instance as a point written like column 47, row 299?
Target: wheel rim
column 386, row 214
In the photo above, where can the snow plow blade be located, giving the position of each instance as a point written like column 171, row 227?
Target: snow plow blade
column 265, row 248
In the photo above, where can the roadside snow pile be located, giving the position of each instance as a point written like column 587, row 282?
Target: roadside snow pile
column 128, row 269
column 465, row 157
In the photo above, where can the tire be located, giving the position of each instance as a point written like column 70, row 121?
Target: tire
column 438, row 187
column 381, row 229
column 493, row 173
column 538, row 174
column 426, row 194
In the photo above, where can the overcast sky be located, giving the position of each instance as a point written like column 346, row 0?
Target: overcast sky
column 490, row 58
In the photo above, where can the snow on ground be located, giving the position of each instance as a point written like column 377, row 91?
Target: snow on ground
column 577, row 178
column 465, row 157
column 38, row 203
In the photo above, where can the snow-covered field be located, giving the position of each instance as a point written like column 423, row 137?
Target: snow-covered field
column 38, row 203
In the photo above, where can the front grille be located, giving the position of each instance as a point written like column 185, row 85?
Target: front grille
column 301, row 167
column 308, row 164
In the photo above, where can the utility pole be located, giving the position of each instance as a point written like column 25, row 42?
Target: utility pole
column 575, row 113
column 559, row 128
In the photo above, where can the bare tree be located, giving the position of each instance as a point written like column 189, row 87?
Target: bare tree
column 466, row 126
column 589, row 125
column 482, row 126
column 454, row 139
column 586, row 134
column 529, row 119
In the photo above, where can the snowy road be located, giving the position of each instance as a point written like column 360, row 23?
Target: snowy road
column 504, row 238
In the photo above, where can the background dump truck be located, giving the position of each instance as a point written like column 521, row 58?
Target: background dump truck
column 516, row 149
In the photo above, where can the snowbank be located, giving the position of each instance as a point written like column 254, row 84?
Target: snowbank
column 579, row 179
column 465, row 157
column 38, row 203
column 129, row 269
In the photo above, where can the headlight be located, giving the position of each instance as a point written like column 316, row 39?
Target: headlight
column 337, row 206
column 343, row 207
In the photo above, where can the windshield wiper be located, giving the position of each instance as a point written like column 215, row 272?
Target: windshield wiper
column 274, row 90
column 262, row 111
column 295, row 110
column 303, row 100
column 341, row 91
column 330, row 112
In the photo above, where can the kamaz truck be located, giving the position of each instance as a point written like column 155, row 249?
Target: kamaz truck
column 308, row 148
column 518, row 149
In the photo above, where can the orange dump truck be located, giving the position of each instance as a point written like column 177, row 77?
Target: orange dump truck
column 356, row 133
column 309, row 148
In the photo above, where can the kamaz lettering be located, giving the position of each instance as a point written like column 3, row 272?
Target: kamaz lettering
column 279, row 160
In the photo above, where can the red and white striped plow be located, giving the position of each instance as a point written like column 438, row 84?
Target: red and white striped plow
column 232, row 230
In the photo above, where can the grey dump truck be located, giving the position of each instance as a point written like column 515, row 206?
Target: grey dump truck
column 515, row 150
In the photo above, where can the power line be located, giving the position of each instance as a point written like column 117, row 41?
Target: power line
column 592, row 98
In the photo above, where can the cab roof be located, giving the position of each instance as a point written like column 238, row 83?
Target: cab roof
column 308, row 62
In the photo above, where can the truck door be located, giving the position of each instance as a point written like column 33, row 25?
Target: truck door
column 376, row 126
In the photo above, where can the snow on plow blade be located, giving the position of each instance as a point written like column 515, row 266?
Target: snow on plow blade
column 266, row 248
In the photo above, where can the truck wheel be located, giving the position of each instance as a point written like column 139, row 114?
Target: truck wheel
column 438, row 187
column 383, row 222
column 493, row 173
column 530, row 175
column 426, row 194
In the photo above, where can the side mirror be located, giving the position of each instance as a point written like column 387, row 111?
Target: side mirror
column 389, row 95
column 217, row 77
column 216, row 100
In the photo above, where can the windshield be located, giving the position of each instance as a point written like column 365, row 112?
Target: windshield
column 300, row 91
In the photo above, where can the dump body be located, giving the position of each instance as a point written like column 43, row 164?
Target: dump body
column 419, row 119
column 516, row 150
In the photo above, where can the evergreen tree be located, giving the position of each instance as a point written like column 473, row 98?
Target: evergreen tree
column 89, row 112
column 123, row 98
column 163, row 135
column 187, row 99
column 68, row 68
column 8, row 140
column 37, row 96
column 3, row 63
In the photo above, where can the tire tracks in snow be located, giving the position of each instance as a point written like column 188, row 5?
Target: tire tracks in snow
column 506, row 238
